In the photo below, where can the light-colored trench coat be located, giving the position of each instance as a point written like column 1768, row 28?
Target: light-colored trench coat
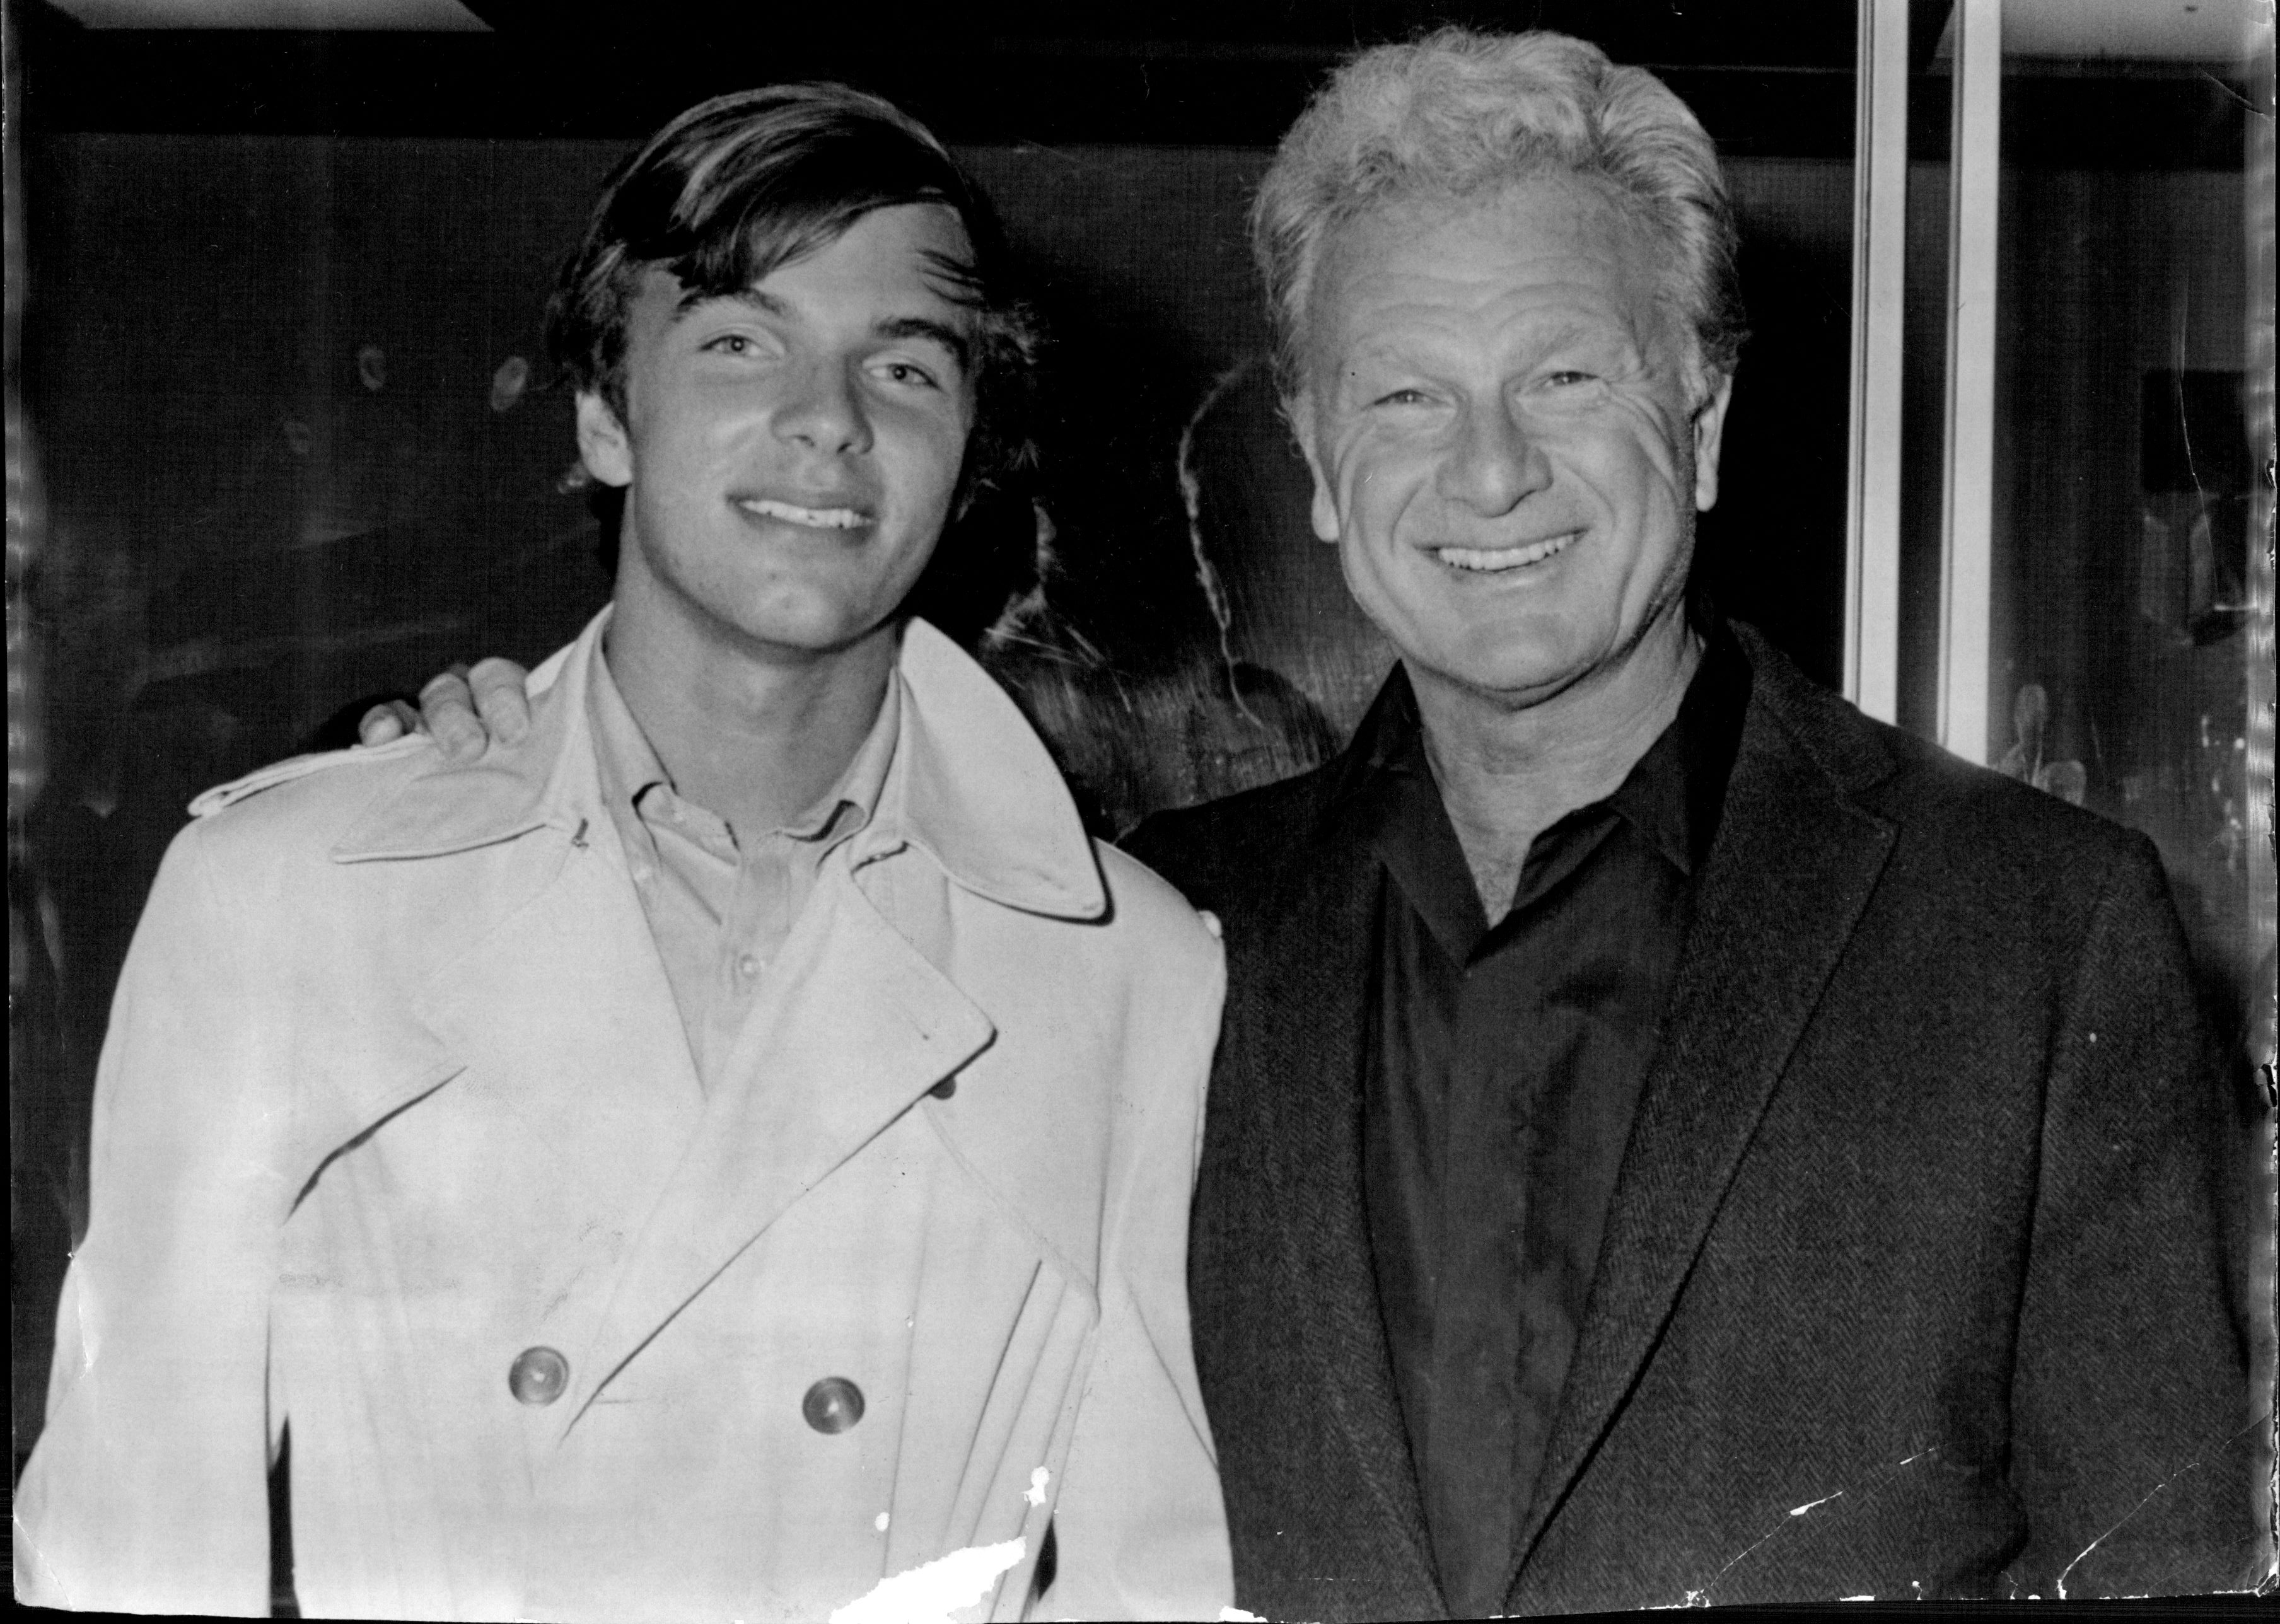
column 395, row 1089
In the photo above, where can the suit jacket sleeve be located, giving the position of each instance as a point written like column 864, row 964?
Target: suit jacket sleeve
column 148, row 1490
column 1139, row 1527
column 2133, row 1443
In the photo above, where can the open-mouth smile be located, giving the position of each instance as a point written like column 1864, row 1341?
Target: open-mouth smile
column 1491, row 559
column 809, row 518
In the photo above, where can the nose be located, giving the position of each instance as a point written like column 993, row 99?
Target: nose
column 1496, row 463
column 823, row 411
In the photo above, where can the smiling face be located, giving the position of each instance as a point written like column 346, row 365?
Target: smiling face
column 791, row 453
column 1508, row 437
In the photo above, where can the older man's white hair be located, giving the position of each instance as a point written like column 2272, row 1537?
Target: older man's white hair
column 1457, row 114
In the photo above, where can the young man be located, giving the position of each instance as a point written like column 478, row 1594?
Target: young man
column 730, row 1147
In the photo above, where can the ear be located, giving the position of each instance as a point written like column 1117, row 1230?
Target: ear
column 1324, row 511
column 602, row 442
column 1709, row 434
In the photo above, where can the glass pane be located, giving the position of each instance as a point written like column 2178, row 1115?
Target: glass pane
column 2132, row 615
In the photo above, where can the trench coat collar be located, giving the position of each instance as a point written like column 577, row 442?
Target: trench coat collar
column 971, row 785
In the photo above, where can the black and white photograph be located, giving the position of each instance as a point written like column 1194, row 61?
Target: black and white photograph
column 1315, row 810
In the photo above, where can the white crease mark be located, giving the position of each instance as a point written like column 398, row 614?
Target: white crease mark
column 2194, row 1465
column 1038, row 1478
column 1701, row 1597
column 933, row 1590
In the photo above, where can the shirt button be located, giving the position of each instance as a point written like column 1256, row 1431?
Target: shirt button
column 538, row 1375
column 748, row 967
column 832, row 1405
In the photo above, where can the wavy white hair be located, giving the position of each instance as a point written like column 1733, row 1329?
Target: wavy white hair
column 1456, row 115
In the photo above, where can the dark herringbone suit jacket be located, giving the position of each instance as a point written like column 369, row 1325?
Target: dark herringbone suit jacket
column 1915, row 1281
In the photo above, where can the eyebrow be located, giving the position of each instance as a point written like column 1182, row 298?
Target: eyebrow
column 950, row 338
column 960, row 348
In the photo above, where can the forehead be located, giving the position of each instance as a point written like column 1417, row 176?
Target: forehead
column 901, row 261
column 1553, row 250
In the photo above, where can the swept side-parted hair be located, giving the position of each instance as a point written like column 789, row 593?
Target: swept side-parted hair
column 1457, row 114
column 740, row 185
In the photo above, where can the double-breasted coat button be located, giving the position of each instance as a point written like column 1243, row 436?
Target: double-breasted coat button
column 832, row 1405
column 538, row 1375
column 943, row 1089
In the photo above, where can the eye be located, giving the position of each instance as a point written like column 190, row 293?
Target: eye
column 731, row 343
column 910, row 374
column 1567, row 377
column 1401, row 397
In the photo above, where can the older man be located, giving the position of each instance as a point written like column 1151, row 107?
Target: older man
column 1672, row 1139
column 728, row 1150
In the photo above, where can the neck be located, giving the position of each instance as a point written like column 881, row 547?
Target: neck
column 755, row 736
column 1506, row 773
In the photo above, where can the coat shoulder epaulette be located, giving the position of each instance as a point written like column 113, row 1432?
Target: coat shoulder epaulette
column 224, row 795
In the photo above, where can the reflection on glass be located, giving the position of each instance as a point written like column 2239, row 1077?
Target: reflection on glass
column 2128, row 525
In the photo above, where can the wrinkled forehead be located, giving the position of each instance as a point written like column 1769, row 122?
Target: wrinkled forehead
column 1551, row 225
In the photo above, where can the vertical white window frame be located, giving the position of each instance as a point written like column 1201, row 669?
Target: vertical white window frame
column 1966, row 533
column 1880, row 222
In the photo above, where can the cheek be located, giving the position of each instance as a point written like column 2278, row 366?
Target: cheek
column 928, row 458
column 1378, row 477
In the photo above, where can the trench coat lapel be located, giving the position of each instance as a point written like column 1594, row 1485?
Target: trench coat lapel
column 561, row 977
column 1315, row 989
column 567, row 998
column 548, row 976
column 844, row 1041
column 1790, row 872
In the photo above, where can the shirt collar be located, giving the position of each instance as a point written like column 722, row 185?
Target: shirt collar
column 626, row 767
column 1673, row 794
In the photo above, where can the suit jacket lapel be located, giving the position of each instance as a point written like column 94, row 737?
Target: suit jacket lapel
column 1313, row 990
column 1794, row 864
column 858, row 1026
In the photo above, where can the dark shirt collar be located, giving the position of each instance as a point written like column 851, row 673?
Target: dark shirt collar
column 1672, row 797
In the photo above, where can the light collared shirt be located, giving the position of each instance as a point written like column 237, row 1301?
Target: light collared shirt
column 720, row 910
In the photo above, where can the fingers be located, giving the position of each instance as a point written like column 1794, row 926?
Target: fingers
column 384, row 724
column 447, row 708
column 499, row 698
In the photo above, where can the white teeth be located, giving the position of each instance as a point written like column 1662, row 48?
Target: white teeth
column 814, row 518
column 1502, row 557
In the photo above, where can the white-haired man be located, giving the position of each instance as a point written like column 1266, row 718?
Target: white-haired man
column 1671, row 1139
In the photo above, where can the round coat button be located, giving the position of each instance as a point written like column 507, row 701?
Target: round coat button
column 832, row 1405
column 538, row 1375
column 943, row 1089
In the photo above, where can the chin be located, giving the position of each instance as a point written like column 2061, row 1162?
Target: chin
column 1494, row 666
column 814, row 629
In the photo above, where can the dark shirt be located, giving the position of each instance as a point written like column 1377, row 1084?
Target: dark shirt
column 1503, row 1066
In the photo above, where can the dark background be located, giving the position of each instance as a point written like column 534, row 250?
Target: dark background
column 280, row 288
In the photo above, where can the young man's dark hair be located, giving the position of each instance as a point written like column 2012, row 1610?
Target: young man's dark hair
column 741, row 184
